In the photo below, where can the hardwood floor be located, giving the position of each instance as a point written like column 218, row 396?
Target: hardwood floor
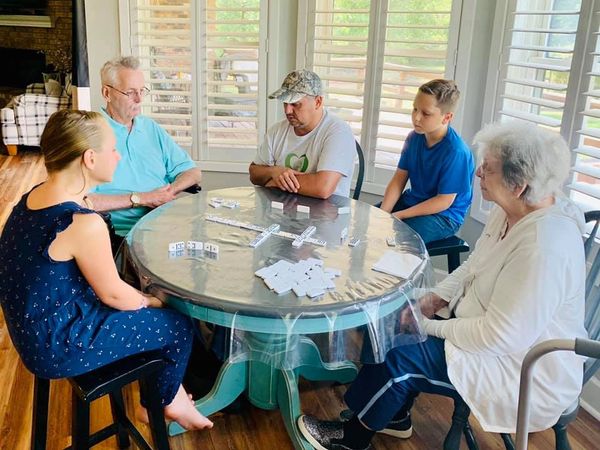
column 252, row 429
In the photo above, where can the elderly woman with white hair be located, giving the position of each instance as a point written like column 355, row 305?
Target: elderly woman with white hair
column 523, row 284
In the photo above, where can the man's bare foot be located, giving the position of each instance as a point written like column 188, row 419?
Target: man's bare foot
column 183, row 411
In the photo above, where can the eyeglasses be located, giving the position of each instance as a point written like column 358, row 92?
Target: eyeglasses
column 132, row 92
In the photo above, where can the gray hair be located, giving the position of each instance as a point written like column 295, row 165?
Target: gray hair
column 530, row 155
column 110, row 69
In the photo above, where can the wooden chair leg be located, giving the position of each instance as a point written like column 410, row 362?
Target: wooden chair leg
column 11, row 149
column 80, row 423
column 117, row 405
column 562, row 439
column 39, row 425
column 155, row 413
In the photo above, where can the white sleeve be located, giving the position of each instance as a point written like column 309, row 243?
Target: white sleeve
column 339, row 148
column 264, row 152
column 523, row 301
column 453, row 283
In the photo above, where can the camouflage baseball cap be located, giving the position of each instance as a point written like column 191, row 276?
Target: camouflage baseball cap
column 297, row 85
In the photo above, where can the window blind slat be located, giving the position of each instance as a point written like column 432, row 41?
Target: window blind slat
column 540, row 120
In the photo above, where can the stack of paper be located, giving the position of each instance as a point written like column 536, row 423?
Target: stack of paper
column 398, row 264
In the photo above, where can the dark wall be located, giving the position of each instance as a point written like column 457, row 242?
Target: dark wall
column 21, row 67
column 55, row 42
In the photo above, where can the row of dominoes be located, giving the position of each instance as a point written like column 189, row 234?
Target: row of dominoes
column 191, row 253
column 234, row 223
column 306, row 277
column 249, row 226
column 217, row 202
column 193, row 245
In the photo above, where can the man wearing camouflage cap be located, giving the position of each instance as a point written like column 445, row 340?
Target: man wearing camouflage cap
column 312, row 151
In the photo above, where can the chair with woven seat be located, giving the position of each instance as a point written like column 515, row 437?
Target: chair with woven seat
column 107, row 380
column 592, row 325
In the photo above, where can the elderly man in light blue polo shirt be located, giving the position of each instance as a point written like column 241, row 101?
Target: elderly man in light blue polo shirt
column 153, row 169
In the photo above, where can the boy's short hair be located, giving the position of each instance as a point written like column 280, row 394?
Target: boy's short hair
column 445, row 92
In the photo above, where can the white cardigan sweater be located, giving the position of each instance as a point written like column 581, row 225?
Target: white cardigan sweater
column 509, row 295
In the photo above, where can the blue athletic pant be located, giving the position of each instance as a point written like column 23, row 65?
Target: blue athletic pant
column 432, row 227
column 380, row 391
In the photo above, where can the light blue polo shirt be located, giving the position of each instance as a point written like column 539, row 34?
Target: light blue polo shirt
column 150, row 158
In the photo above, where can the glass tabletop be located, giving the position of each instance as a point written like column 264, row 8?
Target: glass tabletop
column 226, row 280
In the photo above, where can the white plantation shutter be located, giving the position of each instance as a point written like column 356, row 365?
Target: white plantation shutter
column 201, row 61
column 229, row 53
column 549, row 75
column 161, row 36
column 538, row 56
column 416, row 50
column 372, row 57
column 585, row 184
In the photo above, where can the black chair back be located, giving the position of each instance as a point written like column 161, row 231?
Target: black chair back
column 361, row 172
column 592, row 291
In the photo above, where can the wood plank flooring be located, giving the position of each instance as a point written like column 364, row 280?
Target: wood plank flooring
column 252, row 429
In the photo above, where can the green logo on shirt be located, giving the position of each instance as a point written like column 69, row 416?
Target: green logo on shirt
column 299, row 163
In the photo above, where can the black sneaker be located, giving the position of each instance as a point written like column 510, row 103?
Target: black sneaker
column 397, row 428
column 322, row 434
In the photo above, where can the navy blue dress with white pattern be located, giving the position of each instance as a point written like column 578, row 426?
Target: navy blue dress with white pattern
column 58, row 325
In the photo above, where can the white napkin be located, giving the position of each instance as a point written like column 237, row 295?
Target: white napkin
column 398, row 264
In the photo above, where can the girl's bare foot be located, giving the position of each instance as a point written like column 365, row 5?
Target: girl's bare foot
column 141, row 414
column 183, row 411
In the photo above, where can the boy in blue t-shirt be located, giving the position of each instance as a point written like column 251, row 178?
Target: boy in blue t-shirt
column 438, row 164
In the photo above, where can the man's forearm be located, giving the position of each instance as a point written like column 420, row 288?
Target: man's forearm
column 260, row 175
column 186, row 179
column 108, row 202
column 320, row 184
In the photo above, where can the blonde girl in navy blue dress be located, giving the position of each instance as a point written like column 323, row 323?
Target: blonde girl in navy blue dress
column 66, row 308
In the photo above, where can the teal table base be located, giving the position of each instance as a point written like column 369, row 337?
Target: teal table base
column 269, row 387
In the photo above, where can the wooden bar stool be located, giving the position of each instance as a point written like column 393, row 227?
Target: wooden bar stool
column 90, row 386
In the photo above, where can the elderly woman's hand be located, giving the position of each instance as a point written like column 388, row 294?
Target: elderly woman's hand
column 428, row 304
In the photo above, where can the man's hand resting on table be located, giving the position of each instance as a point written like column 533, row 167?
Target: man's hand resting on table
column 285, row 179
column 157, row 197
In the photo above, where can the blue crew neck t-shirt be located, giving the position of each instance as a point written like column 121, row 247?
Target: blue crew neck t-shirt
column 445, row 168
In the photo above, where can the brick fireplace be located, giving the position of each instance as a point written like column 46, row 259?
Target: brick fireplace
column 30, row 45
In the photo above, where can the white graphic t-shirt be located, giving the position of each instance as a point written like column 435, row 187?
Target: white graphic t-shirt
column 330, row 146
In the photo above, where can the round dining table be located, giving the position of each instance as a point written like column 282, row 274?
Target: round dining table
column 199, row 253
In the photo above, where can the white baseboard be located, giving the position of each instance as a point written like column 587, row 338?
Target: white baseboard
column 590, row 398
column 593, row 411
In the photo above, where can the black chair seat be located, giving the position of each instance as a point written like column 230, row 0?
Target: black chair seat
column 452, row 246
column 103, row 381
